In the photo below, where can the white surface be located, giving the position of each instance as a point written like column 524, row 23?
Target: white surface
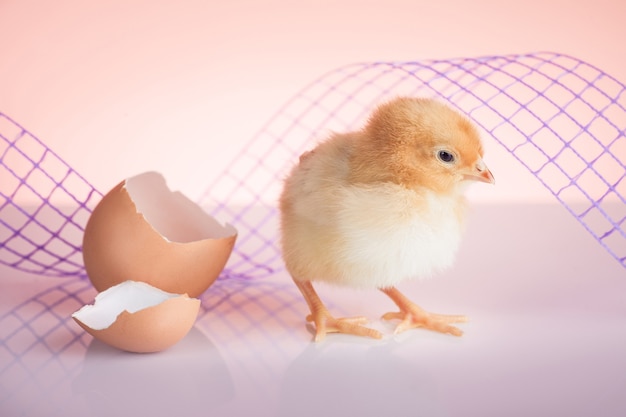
column 547, row 334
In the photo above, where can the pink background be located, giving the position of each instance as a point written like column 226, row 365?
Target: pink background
column 121, row 87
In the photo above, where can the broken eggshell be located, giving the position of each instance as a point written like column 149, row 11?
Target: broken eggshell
column 142, row 231
column 137, row 317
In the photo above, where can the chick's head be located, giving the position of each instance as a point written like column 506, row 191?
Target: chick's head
column 419, row 143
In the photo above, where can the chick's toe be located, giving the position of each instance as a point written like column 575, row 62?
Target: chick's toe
column 412, row 316
column 326, row 323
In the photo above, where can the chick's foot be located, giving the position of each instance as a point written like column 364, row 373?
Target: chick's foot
column 326, row 323
column 412, row 316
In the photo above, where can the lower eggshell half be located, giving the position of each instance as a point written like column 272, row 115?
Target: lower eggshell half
column 152, row 329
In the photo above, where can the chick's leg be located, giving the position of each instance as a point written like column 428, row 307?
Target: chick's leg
column 325, row 323
column 412, row 316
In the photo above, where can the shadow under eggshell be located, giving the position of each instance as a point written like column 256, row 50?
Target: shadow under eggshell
column 121, row 244
column 151, row 329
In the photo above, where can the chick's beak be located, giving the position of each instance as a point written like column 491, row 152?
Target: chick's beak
column 480, row 172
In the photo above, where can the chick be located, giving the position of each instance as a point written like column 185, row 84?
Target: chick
column 377, row 206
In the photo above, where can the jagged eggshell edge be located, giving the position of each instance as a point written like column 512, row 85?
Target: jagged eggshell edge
column 151, row 329
column 120, row 244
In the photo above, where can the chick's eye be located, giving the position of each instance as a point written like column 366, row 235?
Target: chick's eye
column 445, row 156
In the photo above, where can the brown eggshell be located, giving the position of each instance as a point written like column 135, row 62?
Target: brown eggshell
column 142, row 231
column 150, row 329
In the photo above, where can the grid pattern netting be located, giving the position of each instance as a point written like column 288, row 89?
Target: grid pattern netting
column 46, row 236
column 561, row 118
column 43, row 353
column 39, row 344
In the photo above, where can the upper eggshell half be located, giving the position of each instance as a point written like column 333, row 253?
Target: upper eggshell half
column 142, row 231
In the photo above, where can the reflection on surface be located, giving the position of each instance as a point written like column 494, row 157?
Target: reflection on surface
column 41, row 350
column 360, row 379
column 190, row 378
column 546, row 337
column 44, row 355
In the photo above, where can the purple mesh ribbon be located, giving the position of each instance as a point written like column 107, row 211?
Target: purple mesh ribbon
column 562, row 118
column 40, row 345
column 43, row 352
column 45, row 237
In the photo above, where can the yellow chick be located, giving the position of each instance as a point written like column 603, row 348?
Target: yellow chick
column 375, row 207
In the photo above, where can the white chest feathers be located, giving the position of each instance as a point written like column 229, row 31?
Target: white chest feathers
column 388, row 234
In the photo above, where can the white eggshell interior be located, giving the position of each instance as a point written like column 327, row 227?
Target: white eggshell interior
column 131, row 296
column 171, row 214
